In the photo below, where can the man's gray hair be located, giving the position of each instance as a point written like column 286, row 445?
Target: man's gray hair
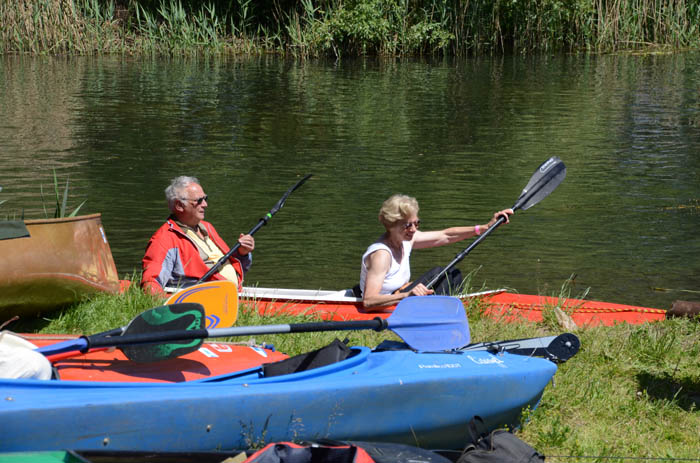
column 176, row 190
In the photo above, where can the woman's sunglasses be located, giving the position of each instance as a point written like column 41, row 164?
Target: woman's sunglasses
column 408, row 225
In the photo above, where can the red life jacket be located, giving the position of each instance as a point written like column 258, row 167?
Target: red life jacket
column 344, row 452
column 288, row 452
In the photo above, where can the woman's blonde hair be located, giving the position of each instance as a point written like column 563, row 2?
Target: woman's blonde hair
column 397, row 207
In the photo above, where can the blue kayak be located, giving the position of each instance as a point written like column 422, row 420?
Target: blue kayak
column 400, row 396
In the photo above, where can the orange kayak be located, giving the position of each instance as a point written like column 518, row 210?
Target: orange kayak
column 341, row 305
column 516, row 307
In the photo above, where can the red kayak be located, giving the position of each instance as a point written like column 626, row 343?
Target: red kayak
column 512, row 307
column 211, row 359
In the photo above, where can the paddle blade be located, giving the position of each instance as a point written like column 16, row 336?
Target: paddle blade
column 167, row 318
column 563, row 347
column 545, row 179
column 284, row 197
column 219, row 298
column 431, row 323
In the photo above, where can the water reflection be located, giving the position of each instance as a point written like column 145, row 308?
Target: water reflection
column 462, row 136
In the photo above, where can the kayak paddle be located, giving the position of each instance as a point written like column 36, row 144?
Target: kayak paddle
column 545, row 179
column 219, row 298
column 434, row 323
column 259, row 225
column 167, row 318
column 425, row 323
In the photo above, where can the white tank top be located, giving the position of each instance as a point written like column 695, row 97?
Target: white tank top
column 399, row 273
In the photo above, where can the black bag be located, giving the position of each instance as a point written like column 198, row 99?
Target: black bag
column 332, row 353
column 499, row 446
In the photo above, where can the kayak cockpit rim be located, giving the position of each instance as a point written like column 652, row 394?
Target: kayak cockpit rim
column 320, row 295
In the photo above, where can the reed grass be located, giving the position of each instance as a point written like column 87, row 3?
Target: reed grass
column 61, row 200
column 632, row 392
column 8, row 215
column 336, row 28
column 61, row 203
column 172, row 29
column 59, row 27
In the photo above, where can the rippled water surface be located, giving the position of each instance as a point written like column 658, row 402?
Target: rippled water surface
column 462, row 136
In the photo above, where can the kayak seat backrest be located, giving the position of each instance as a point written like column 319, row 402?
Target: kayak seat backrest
column 328, row 355
column 389, row 344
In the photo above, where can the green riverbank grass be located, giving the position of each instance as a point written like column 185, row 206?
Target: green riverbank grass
column 631, row 391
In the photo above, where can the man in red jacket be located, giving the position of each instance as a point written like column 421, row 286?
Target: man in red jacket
column 185, row 247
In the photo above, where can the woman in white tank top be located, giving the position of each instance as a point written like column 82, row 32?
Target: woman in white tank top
column 386, row 263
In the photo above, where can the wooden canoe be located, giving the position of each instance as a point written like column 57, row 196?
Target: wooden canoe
column 499, row 304
column 60, row 262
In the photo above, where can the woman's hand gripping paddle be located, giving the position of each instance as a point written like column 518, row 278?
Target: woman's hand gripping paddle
column 546, row 178
column 425, row 323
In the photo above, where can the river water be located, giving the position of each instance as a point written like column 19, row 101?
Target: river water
column 462, row 136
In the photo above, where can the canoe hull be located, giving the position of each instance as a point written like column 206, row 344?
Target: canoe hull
column 59, row 263
column 501, row 305
column 423, row 399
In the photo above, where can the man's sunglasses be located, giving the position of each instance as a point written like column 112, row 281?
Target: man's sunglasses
column 199, row 201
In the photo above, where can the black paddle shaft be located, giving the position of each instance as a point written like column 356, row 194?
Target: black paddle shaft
column 215, row 268
column 545, row 179
column 377, row 324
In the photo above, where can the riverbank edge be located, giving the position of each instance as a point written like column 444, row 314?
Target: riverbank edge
column 331, row 28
